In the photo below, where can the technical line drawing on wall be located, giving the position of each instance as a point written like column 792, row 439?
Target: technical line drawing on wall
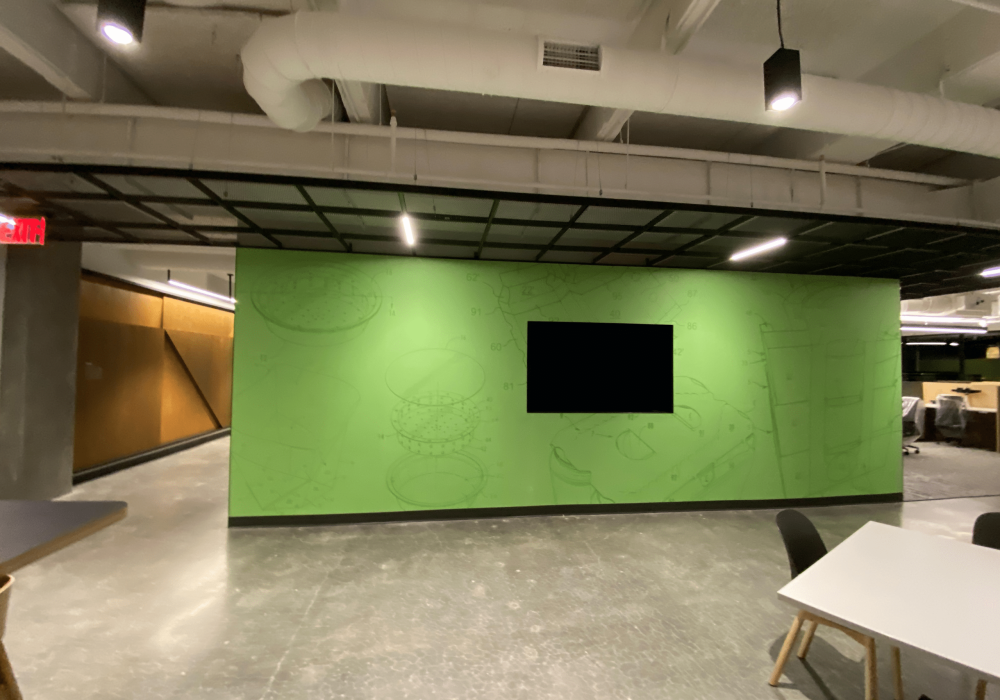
column 317, row 304
column 368, row 384
column 434, row 419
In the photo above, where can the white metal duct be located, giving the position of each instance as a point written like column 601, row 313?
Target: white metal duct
column 287, row 56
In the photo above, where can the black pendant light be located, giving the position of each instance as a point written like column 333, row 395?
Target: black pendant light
column 782, row 76
column 120, row 21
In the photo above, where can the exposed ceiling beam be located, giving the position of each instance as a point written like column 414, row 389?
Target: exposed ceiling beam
column 665, row 25
column 45, row 40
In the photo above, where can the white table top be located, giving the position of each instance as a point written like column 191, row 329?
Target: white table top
column 932, row 594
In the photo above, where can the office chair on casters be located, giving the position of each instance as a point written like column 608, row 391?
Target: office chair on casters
column 949, row 421
column 805, row 547
column 913, row 423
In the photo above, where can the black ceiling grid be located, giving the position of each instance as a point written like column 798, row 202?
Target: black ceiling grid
column 90, row 203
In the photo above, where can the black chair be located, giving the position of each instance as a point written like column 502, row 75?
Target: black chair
column 986, row 531
column 950, row 418
column 803, row 543
column 805, row 547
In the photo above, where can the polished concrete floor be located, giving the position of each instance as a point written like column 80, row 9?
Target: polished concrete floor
column 947, row 471
column 170, row 604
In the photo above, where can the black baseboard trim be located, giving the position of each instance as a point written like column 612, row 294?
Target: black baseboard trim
column 528, row 511
column 116, row 465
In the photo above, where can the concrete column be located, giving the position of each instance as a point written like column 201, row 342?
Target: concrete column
column 40, row 317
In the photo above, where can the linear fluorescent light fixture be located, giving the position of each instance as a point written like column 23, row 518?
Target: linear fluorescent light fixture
column 408, row 231
column 991, row 272
column 757, row 250
column 7, row 220
column 121, row 21
column 199, row 290
column 920, row 318
column 940, row 342
column 942, row 329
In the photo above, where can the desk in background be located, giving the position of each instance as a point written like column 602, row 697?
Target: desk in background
column 983, row 428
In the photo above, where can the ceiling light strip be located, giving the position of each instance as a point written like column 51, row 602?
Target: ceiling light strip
column 757, row 250
column 942, row 329
column 199, row 290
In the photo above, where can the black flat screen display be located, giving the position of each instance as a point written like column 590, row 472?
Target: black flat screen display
column 600, row 368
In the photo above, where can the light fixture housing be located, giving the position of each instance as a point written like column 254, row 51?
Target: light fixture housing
column 411, row 240
column 757, row 250
column 121, row 21
column 782, row 80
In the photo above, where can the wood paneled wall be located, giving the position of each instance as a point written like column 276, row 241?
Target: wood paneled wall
column 150, row 370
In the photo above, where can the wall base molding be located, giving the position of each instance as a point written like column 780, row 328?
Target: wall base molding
column 528, row 511
column 116, row 465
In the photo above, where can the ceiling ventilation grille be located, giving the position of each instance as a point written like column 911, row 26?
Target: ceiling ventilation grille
column 571, row 56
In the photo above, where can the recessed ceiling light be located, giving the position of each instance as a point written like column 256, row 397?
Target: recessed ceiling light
column 120, row 21
column 783, row 102
column 116, row 34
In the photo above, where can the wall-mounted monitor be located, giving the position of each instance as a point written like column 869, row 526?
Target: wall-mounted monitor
column 600, row 368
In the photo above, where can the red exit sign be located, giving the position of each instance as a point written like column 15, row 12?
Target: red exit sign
column 14, row 231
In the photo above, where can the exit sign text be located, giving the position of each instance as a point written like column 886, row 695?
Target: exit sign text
column 22, row 231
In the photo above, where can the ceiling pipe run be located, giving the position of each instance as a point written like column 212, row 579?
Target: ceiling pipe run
column 287, row 58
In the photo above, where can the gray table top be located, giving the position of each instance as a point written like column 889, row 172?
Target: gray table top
column 927, row 593
column 30, row 530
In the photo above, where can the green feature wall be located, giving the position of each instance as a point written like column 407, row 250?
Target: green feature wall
column 372, row 384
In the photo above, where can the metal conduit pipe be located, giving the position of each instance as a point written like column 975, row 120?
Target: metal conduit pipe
column 287, row 58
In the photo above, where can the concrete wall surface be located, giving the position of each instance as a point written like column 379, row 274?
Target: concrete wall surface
column 40, row 317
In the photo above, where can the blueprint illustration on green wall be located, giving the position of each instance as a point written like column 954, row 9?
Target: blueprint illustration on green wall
column 374, row 384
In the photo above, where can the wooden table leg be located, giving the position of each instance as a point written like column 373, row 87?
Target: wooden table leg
column 786, row 648
column 807, row 639
column 897, row 674
column 8, row 686
column 981, row 690
column 871, row 671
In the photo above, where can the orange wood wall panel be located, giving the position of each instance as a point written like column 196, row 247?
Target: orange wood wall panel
column 184, row 316
column 209, row 359
column 137, row 388
column 118, row 391
column 105, row 301
column 184, row 412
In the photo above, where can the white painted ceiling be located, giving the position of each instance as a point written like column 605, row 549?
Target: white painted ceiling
column 189, row 57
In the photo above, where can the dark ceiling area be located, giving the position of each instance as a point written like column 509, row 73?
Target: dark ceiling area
column 142, row 205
